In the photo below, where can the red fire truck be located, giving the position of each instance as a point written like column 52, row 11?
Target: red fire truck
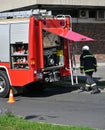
column 34, row 48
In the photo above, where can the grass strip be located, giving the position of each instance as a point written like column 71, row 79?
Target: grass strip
column 11, row 122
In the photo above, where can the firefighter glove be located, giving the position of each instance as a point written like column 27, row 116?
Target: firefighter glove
column 81, row 71
column 95, row 69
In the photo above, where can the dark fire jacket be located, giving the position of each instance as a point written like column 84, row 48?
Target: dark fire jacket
column 88, row 62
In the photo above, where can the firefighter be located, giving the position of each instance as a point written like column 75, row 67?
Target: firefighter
column 88, row 65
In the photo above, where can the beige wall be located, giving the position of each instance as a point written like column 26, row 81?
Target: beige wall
column 12, row 4
column 74, row 2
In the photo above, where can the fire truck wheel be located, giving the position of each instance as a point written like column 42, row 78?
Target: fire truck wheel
column 4, row 84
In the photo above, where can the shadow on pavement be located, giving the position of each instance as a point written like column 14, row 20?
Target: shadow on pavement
column 61, row 87
column 49, row 89
column 40, row 117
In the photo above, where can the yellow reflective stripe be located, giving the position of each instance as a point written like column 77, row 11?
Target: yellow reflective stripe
column 89, row 70
column 94, row 84
column 81, row 66
column 87, row 85
column 87, row 56
column 94, row 64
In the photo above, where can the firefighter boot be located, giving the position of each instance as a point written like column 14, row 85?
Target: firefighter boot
column 88, row 87
column 95, row 90
column 82, row 88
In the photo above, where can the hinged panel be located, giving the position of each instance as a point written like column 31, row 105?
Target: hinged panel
column 19, row 32
column 4, row 42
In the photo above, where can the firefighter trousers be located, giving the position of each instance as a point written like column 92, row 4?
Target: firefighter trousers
column 89, row 80
column 90, row 84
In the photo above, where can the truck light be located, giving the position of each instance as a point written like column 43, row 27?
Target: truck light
column 61, row 23
column 39, row 75
column 35, row 72
column 44, row 22
column 32, row 62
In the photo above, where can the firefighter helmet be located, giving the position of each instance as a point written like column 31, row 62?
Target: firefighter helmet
column 85, row 47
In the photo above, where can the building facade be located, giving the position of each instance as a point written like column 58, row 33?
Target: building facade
column 15, row 4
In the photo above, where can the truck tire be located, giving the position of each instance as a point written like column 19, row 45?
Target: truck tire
column 4, row 84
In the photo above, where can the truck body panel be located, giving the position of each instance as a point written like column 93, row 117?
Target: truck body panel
column 4, row 41
column 19, row 32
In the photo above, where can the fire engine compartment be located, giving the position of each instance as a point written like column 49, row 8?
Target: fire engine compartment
column 53, row 56
column 53, row 49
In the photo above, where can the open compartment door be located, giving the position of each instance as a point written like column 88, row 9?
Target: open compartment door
column 69, row 34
